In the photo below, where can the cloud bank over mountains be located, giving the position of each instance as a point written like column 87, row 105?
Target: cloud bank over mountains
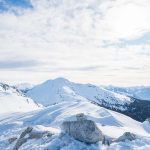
column 107, row 41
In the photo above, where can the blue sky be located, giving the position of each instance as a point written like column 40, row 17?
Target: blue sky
column 103, row 42
column 7, row 5
column 17, row 3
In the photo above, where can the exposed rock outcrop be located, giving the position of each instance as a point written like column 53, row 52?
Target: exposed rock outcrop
column 30, row 133
column 106, row 141
column 126, row 136
column 82, row 129
column 12, row 139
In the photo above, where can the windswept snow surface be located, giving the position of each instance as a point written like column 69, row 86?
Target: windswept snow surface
column 11, row 100
column 60, row 89
column 50, row 118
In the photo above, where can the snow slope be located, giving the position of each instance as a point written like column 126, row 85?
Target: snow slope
column 139, row 92
column 65, row 99
column 111, row 123
column 60, row 89
column 11, row 100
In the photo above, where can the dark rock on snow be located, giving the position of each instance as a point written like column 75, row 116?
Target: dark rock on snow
column 30, row 133
column 126, row 136
column 12, row 139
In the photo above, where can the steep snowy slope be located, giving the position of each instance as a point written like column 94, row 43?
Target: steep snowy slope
column 11, row 100
column 112, row 124
column 139, row 92
column 60, row 89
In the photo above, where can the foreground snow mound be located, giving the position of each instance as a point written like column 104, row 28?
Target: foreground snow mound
column 58, row 90
column 112, row 125
column 12, row 100
column 83, row 130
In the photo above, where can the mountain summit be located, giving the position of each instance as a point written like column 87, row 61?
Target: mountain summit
column 61, row 89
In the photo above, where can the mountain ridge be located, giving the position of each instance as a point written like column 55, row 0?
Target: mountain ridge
column 60, row 89
column 13, row 100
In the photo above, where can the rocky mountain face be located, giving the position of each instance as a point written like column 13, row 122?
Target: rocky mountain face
column 137, row 109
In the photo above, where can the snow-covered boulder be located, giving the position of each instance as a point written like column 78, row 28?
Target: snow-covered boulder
column 81, row 117
column 146, row 125
column 82, row 129
column 148, row 120
column 30, row 133
column 126, row 136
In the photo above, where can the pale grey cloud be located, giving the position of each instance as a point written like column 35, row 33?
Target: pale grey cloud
column 18, row 64
column 78, row 39
column 83, row 68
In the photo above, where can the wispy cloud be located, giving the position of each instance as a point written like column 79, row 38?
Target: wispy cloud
column 73, row 37
column 78, row 69
column 18, row 64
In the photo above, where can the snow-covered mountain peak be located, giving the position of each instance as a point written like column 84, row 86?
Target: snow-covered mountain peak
column 61, row 79
column 60, row 89
column 57, row 82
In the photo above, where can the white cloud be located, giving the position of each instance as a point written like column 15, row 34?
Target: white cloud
column 79, row 39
